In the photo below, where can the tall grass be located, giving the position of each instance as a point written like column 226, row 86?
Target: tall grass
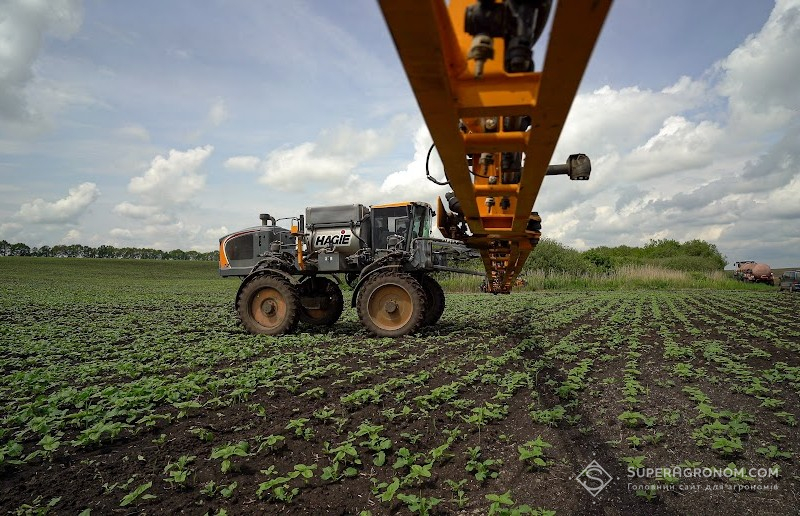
column 626, row 277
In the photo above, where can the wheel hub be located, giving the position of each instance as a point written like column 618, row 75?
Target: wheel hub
column 390, row 306
column 268, row 307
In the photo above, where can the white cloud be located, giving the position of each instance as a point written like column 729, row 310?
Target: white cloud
column 151, row 214
column 216, row 233
column 174, row 179
column 218, row 112
column 177, row 235
column 679, row 145
column 73, row 236
column 170, row 184
column 714, row 158
column 133, row 132
column 123, row 233
column 291, row 169
column 22, row 30
column 9, row 230
column 248, row 163
column 216, row 115
column 62, row 211
column 759, row 76
column 408, row 184
column 609, row 120
column 331, row 159
column 411, row 183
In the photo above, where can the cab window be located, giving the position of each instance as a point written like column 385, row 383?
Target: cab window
column 388, row 221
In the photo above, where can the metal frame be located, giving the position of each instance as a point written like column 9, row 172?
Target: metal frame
column 433, row 46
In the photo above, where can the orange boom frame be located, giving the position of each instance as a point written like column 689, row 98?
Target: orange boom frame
column 458, row 67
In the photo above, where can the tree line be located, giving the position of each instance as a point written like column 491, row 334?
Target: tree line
column 690, row 256
column 549, row 255
column 103, row 251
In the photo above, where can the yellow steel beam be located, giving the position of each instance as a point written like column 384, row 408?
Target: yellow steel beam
column 433, row 45
column 576, row 27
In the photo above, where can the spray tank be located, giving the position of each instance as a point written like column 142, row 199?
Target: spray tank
column 336, row 232
column 753, row 272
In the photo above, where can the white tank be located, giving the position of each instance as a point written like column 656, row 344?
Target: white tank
column 339, row 239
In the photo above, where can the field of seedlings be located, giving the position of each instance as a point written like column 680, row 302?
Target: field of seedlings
column 127, row 387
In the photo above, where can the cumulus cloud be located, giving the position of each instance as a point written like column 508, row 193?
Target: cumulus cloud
column 9, row 230
column 22, row 31
column 608, row 119
column 714, row 158
column 177, row 235
column 165, row 192
column 758, row 75
column 216, row 233
column 248, row 163
column 408, row 184
column 148, row 213
column 62, row 211
column 123, row 233
column 73, row 236
column 172, row 179
column 679, row 145
column 329, row 160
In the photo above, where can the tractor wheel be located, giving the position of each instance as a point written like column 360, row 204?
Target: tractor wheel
column 321, row 301
column 268, row 304
column 434, row 300
column 391, row 304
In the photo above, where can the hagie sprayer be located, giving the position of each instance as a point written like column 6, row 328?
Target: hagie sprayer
column 495, row 122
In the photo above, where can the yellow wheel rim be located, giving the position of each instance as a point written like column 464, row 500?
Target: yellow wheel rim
column 268, row 308
column 390, row 307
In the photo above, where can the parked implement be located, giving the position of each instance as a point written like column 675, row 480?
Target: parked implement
column 752, row 272
column 385, row 252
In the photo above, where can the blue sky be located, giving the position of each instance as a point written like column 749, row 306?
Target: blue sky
column 167, row 124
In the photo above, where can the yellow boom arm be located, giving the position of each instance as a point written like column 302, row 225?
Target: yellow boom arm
column 473, row 106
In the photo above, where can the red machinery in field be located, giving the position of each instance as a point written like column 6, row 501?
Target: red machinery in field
column 753, row 272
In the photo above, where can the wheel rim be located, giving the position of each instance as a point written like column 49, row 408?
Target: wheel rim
column 268, row 308
column 390, row 307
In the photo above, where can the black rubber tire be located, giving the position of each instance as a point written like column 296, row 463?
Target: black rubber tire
column 351, row 278
column 278, row 296
column 391, row 304
column 434, row 299
column 332, row 306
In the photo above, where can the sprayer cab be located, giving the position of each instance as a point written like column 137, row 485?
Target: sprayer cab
column 395, row 226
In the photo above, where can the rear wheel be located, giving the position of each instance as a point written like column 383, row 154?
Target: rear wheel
column 321, row 301
column 269, row 305
column 434, row 300
column 391, row 304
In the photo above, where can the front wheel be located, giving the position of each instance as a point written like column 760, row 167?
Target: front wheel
column 269, row 305
column 391, row 304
